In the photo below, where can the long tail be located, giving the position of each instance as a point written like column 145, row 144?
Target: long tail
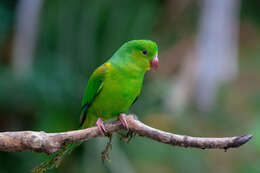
column 56, row 158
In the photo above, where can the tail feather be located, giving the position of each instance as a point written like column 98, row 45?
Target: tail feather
column 56, row 158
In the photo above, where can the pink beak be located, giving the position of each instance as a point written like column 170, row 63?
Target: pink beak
column 154, row 63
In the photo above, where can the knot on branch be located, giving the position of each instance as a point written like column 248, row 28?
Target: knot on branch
column 34, row 139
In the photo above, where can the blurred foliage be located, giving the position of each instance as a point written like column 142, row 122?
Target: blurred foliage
column 74, row 37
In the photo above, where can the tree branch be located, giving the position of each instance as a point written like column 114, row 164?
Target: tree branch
column 51, row 142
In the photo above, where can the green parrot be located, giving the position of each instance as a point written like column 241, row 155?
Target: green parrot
column 111, row 90
column 114, row 86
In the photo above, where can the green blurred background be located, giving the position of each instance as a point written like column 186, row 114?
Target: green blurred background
column 49, row 48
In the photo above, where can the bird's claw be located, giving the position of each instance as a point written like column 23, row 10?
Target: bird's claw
column 101, row 127
column 127, row 137
column 122, row 119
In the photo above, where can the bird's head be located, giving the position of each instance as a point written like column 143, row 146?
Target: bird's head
column 143, row 53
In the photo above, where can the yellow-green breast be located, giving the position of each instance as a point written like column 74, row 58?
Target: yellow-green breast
column 120, row 89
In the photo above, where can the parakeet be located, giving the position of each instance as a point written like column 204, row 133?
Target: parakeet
column 111, row 90
column 114, row 86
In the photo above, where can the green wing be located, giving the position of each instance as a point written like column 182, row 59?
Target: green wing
column 94, row 86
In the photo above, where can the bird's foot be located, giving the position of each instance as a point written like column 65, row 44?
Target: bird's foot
column 127, row 137
column 101, row 127
column 122, row 119
column 130, row 134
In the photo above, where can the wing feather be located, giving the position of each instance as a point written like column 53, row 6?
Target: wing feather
column 93, row 88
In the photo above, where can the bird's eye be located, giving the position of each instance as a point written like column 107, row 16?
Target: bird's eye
column 144, row 52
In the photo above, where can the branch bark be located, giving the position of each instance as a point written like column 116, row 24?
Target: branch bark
column 51, row 142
